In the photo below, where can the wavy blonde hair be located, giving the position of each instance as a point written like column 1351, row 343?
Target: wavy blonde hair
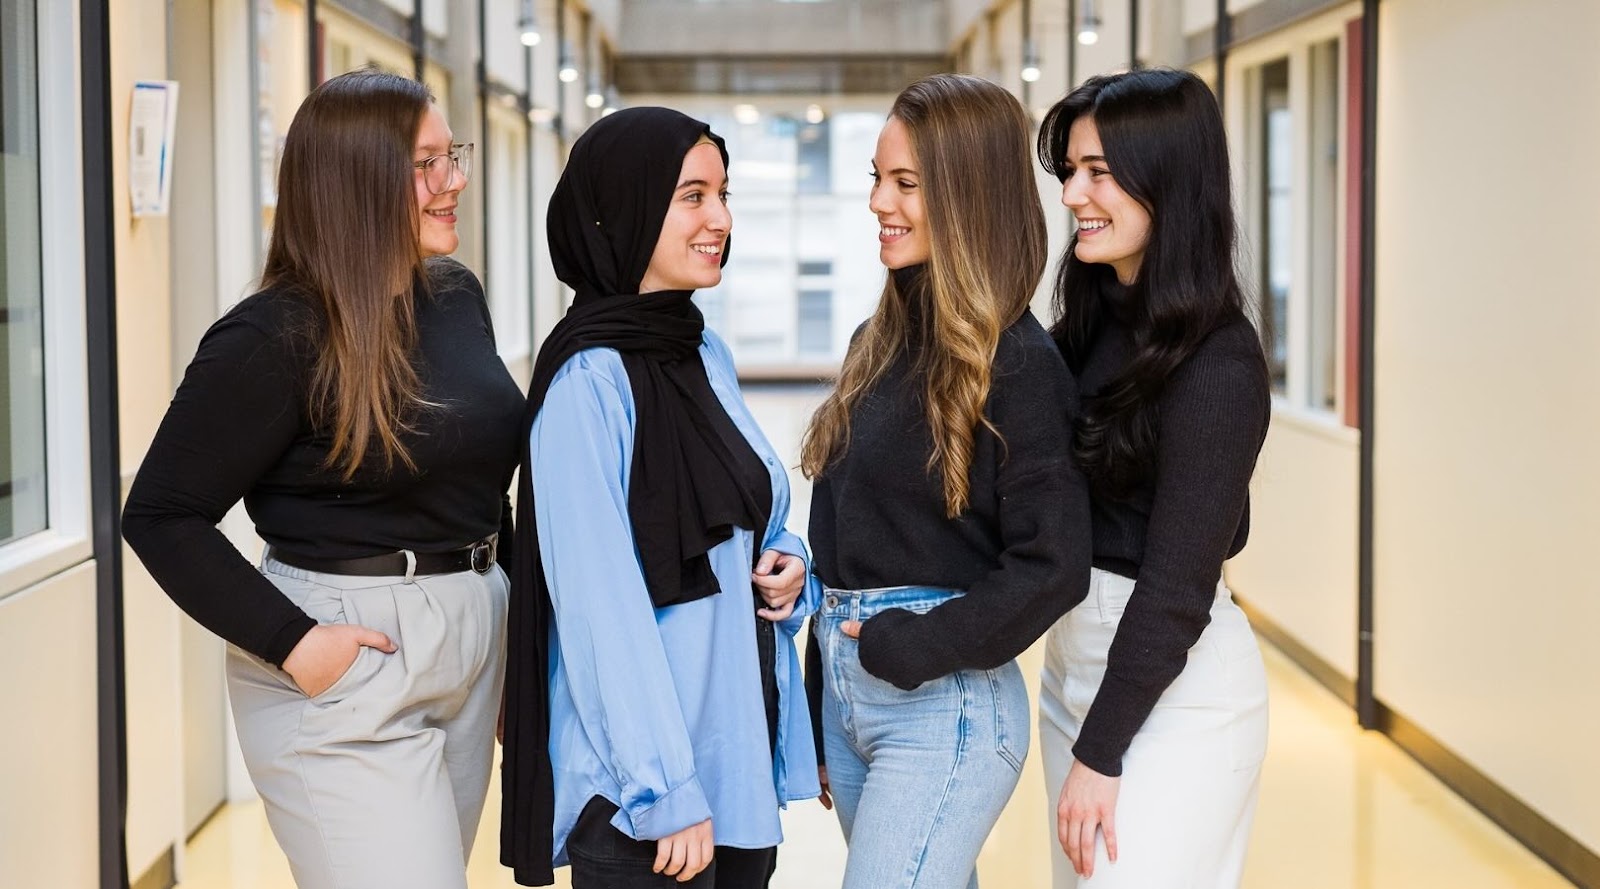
column 972, row 142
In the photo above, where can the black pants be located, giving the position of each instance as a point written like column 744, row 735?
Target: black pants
column 606, row 858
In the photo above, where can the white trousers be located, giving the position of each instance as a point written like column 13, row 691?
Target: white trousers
column 378, row 782
column 1192, row 775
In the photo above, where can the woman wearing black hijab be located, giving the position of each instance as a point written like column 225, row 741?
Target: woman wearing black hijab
column 654, row 707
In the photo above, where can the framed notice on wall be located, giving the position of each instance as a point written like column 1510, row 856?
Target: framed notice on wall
column 152, row 122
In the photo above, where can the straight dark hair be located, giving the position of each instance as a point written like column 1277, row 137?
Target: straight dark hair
column 1164, row 142
column 345, row 238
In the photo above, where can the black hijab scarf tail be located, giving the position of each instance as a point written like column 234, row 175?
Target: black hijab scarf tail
column 693, row 478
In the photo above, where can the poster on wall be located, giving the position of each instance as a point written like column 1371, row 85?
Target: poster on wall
column 152, row 124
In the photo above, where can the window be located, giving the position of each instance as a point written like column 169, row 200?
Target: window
column 506, row 191
column 804, row 248
column 1293, row 144
column 815, row 328
column 1277, row 149
column 23, row 486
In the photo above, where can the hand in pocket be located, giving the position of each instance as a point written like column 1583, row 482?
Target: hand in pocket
column 326, row 652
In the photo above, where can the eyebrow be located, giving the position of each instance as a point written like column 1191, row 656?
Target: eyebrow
column 899, row 171
column 687, row 183
column 1089, row 157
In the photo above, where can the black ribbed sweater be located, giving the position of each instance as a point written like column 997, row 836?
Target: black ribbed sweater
column 1019, row 550
column 1173, row 533
column 240, row 428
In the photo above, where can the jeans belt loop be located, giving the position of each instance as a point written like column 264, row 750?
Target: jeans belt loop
column 411, row 565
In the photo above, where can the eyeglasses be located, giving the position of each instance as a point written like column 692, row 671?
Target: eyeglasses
column 437, row 169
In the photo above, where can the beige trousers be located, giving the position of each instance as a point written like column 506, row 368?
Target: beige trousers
column 1191, row 777
column 380, row 780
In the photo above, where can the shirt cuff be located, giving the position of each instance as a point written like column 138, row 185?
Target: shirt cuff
column 681, row 807
column 283, row 642
column 886, row 651
column 1120, row 708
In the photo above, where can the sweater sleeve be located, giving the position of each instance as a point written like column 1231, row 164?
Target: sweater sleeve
column 1213, row 418
column 1043, row 525
column 236, row 412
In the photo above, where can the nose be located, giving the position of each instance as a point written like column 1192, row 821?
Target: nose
column 1072, row 193
column 720, row 219
column 878, row 201
column 457, row 181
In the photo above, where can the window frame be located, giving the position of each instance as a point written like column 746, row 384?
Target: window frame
column 65, row 540
column 1296, row 44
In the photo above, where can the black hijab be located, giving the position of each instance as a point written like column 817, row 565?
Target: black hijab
column 694, row 477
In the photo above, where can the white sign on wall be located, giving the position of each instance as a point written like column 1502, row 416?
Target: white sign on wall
column 152, row 123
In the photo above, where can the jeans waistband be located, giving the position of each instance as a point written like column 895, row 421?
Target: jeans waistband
column 862, row 604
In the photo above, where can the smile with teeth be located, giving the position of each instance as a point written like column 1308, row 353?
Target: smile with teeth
column 891, row 231
column 450, row 213
column 1092, row 224
column 707, row 249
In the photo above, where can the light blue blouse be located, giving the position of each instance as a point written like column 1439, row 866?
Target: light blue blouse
column 658, row 710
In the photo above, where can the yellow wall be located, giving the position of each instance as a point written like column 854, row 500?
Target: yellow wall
column 1488, row 505
column 144, row 366
column 49, row 818
column 1299, row 569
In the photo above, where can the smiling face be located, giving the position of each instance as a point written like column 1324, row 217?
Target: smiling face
column 688, row 254
column 437, row 228
column 896, row 200
column 1113, row 228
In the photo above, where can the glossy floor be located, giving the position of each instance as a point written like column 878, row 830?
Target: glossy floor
column 1340, row 808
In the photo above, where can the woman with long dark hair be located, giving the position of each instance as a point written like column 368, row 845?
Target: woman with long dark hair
column 950, row 527
column 655, row 717
column 357, row 405
column 1153, row 712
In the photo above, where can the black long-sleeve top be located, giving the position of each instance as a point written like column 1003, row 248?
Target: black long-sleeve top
column 1020, row 550
column 239, row 427
column 1172, row 534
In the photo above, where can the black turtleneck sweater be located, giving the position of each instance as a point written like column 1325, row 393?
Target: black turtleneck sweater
column 1173, row 533
column 1020, row 550
column 240, row 427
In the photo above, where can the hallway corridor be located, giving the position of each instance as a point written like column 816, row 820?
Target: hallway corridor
column 1340, row 808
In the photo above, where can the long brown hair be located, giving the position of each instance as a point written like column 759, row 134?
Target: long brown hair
column 987, row 243
column 345, row 238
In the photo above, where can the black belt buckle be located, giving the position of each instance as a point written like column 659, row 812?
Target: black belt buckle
column 483, row 556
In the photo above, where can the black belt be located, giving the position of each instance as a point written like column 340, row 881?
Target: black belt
column 477, row 557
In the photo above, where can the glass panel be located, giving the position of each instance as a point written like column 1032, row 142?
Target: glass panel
column 803, row 269
column 1277, row 152
column 815, row 327
column 22, row 441
column 1324, row 209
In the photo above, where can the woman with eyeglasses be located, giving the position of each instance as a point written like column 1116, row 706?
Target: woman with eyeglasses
column 357, row 405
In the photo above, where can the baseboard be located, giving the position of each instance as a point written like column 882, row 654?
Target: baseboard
column 210, row 816
column 1558, row 848
column 1329, row 677
column 163, row 874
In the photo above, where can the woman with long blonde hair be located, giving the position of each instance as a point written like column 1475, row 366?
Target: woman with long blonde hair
column 949, row 526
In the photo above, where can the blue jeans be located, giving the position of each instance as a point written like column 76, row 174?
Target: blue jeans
column 918, row 777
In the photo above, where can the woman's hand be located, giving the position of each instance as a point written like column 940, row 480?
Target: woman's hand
column 327, row 651
column 685, row 853
column 1088, row 801
column 780, row 579
column 827, row 796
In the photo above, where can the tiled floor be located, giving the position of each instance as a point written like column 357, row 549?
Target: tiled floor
column 1340, row 808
